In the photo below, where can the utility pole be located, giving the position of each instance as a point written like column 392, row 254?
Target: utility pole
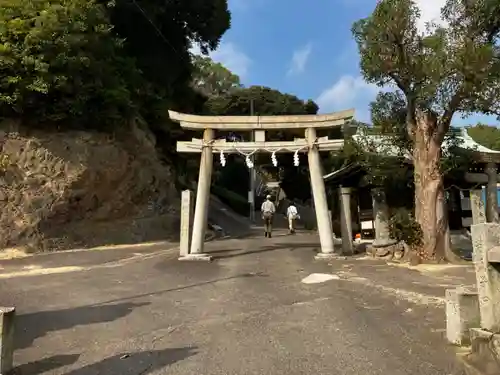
column 251, row 193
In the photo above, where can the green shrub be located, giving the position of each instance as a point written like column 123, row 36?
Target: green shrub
column 403, row 227
column 61, row 62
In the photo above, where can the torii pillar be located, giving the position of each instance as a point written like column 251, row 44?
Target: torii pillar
column 202, row 199
column 319, row 197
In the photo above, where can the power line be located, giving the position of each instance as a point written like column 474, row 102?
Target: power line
column 154, row 26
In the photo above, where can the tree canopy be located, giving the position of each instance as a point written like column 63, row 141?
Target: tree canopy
column 93, row 63
column 213, row 79
column 448, row 70
column 265, row 101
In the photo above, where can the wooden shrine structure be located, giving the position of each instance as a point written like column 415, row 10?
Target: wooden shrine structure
column 259, row 125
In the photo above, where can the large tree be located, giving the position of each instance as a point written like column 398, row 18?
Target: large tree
column 158, row 34
column 450, row 69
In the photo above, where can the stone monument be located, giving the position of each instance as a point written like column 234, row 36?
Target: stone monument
column 383, row 245
column 186, row 223
column 473, row 316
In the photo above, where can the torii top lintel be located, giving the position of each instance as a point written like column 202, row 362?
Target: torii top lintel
column 196, row 122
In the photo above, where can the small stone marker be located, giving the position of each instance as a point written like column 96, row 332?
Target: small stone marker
column 484, row 237
column 186, row 208
column 477, row 207
column 462, row 314
column 346, row 220
column 7, row 317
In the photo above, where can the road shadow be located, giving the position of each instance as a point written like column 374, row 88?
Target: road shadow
column 34, row 325
column 46, row 364
column 142, row 363
column 258, row 232
column 243, row 235
column 231, row 253
column 194, row 285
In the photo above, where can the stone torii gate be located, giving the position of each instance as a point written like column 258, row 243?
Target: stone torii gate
column 258, row 125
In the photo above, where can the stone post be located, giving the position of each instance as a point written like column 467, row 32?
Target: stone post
column 491, row 193
column 462, row 314
column 484, row 237
column 381, row 219
column 186, row 221
column 319, row 197
column 346, row 220
column 7, row 317
column 202, row 199
column 477, row 206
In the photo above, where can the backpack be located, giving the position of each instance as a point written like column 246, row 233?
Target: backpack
column 267, row 215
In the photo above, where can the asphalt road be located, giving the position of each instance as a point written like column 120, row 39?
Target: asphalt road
column 246, row 313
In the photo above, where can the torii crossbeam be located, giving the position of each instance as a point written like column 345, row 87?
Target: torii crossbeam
column 259, row 124
column 301, row 145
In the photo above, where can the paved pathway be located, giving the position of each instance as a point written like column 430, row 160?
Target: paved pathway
column 246, row 313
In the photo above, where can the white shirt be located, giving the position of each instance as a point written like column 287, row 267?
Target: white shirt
column 291, row 211
column 268, row 206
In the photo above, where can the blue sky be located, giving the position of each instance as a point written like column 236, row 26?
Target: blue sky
column 308, row 50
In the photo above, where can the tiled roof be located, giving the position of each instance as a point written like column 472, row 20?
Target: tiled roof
column 384, row 145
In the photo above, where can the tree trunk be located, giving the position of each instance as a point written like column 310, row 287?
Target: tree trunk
column 430, row 203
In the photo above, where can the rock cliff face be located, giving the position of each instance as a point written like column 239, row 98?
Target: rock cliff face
column 78, row 189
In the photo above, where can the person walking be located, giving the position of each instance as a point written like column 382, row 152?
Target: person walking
column 267, row 209
column 292, row 214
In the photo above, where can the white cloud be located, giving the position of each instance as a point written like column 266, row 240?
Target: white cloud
column 353, row 92
column 430, row 11
column 229, row 55
column 299, row 59
column 349, row 92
